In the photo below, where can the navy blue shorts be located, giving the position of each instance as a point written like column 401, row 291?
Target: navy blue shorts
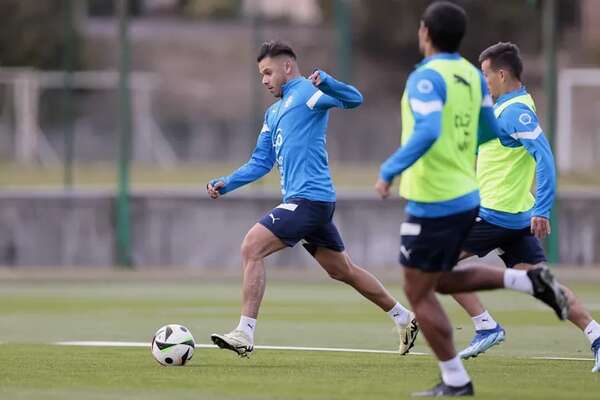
column 306, row 220
column 434, row 244
column 516, row 245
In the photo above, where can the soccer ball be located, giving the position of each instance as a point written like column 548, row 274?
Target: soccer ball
column 173, row 345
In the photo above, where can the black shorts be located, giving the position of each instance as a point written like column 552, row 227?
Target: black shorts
column 516, row 245
column 306, row 220
column 434, row 244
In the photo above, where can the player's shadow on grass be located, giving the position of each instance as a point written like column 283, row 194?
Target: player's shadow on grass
column 243, row 364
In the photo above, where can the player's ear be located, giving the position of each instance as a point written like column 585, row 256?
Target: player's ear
column 502, row 75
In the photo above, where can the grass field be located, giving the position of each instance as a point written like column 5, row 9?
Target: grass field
column 104, row 175
column 347, row 176
column 34, row 313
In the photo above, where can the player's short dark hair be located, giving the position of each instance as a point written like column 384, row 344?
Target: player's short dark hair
column 504, row 55
column 447, row 24
column 274, row 49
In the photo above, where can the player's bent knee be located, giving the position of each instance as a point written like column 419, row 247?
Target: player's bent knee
column 250, row 248
column 409, row 290
column 333, row 274
column 341, row 271
column 417, row 287
column 337, row 265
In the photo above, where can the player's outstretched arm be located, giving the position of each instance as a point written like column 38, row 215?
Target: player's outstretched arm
column 528, row 132
column 424, row 136
column 545, row 175
column 260, row 163
column 426, row 96
column 333, row 93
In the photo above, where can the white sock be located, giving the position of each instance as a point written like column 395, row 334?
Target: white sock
column 400, row 315
column 247, row 325
column 592, row 331
column 517, row 280
column 454, row 373
column 484, row 321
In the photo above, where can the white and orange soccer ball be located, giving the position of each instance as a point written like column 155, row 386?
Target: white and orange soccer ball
column 173, row 345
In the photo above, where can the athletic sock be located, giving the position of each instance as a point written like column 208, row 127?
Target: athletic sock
column 247, row 325
column 484, row 321
column 400, row 315
column 454, row 373
column 517, row 280
column 592, row 331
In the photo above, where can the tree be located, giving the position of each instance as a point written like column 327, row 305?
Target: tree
column 32, row 33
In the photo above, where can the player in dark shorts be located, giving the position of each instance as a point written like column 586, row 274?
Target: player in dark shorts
column 511, row 219
column 293, row 137
column 446, row 113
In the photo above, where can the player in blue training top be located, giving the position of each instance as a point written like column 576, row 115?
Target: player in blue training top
column 445, row 109
column 293, row 137
column 511, row 219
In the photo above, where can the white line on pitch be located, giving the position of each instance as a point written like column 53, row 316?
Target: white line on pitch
column 212, row 346
column 562, row 358
column 332, row 349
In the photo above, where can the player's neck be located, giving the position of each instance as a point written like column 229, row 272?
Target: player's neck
column 430, row 52
column 292, row 76
column 511, row 86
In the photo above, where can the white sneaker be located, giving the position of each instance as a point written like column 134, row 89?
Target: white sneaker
column 408, row 335
column 235, row 340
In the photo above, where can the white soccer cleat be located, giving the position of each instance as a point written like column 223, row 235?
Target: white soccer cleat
column 596, row 351
column 235, row 340
column 408, row 335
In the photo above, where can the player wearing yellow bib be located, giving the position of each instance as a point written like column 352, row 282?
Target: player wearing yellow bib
column 510, row 218
column 446, row 110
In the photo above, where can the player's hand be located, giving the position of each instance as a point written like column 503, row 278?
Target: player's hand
column 213, row 190
column 315, row 78
column 383, row 188
column 540, row 227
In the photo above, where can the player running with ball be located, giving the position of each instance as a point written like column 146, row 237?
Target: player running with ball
column 293, row 136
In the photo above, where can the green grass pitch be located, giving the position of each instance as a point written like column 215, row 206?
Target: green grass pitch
column 35, row 313
column 347, row 176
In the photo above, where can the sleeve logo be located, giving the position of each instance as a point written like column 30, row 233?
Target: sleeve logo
column 425, row 86
column 525, row 118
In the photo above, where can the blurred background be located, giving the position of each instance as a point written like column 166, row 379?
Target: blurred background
column 114, row 114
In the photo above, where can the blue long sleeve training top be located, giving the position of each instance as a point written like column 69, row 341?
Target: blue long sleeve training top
column 294, row 137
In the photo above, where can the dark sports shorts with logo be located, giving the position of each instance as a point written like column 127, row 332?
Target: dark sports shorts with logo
column 434, row 244
column 304, row 220
column 515, row 245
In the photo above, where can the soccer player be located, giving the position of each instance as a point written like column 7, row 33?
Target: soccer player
column 446, row 107
column 510, row 218
column 293, row 136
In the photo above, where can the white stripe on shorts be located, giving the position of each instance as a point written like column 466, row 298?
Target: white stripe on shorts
column 288, row 206
column 410, row 229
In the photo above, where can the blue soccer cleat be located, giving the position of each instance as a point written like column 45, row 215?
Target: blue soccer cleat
column 596, row 351
column 483, row 340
